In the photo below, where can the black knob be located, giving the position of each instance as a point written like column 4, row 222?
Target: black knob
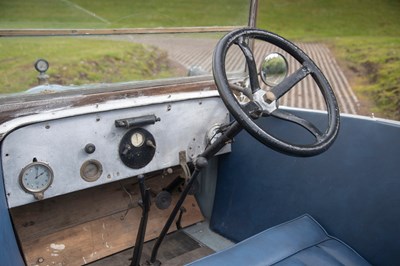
column 90, row 148
column 163, row 200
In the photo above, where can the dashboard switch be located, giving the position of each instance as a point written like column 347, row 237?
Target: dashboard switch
column 150, row 143
column 90, row 148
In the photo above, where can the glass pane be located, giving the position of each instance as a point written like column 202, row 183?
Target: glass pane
column 81, row 60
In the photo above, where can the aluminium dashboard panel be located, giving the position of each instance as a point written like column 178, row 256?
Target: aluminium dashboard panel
column 61, row 143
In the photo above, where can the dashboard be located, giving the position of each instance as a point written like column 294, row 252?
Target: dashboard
column 112, row 142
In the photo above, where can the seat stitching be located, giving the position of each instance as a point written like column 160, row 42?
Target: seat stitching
column 300, row 250
column 329, row 254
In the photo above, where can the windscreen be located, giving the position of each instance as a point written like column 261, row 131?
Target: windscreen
column 176, row 39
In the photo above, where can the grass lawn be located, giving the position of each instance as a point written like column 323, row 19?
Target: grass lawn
column 78, row 61
column 318, row 19
column 374, row 64
column 121, row 13
column 365, row 35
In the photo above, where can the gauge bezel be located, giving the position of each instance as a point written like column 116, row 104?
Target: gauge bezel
column 95, row 177
column 41, row 61
column 42, row 189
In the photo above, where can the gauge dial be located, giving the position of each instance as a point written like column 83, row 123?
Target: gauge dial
column 41, row 65
column 91, row 170
column 36, row 177
column 137, row 139
column 137, row 148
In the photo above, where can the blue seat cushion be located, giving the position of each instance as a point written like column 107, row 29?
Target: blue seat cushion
column 302, row 241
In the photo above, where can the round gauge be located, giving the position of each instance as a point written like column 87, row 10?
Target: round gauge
column 36, row 177
column 91, row 170
column 137, row 139
column 137, row 148
column 41, row 65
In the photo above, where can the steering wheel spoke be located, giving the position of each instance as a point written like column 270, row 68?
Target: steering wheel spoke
column 278, row 113
column 289, row 82
column 252, row 109
column 251, row 64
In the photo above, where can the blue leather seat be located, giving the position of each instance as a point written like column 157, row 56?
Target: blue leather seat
column 302, row 241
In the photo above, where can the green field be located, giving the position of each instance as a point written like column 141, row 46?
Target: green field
column 316, row 19
column 76, row 61
column 364, row 35
column 120, row 13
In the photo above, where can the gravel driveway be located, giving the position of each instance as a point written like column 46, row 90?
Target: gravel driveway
column 189, row 51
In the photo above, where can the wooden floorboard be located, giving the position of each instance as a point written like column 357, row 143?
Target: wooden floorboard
column 177, row 249
column 82, row 227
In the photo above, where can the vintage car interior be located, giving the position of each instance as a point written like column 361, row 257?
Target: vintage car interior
column 208, row 169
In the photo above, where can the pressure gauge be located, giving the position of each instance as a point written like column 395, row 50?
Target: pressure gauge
column 41, row 65
column 35, row 178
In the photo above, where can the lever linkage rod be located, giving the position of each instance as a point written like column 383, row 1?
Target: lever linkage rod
column 200, row 163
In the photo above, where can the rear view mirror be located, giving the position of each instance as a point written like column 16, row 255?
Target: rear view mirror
column 274, row 69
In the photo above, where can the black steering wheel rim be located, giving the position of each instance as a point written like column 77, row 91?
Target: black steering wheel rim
column 323, row 141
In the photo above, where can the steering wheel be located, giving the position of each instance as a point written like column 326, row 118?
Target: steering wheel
column 263, row 103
